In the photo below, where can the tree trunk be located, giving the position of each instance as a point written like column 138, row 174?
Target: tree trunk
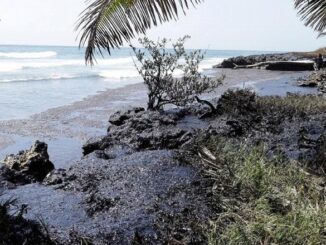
column 209, row 104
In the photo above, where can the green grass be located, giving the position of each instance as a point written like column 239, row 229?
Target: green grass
column 292, row 105
column 241, row 102
column 263, row 200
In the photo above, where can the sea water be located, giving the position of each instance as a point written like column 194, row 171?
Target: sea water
column 36, row 78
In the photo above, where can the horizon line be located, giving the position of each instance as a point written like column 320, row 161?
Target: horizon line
column 126, row 47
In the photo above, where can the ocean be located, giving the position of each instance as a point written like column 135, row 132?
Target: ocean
column 36, row 78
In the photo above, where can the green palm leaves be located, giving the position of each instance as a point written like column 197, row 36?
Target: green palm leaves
column 106, row 24
column 313, row 13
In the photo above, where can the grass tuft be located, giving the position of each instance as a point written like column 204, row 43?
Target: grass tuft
column 263, row 200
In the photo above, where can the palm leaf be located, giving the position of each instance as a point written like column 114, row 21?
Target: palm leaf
column 313, row 13
column 107, row 24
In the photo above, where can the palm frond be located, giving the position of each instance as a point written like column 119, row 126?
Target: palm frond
column 313, row 13
column 107, row 24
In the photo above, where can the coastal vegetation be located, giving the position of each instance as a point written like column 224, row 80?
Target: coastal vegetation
column 104, row 25
column 263, row 199
column 263, row 195
column 252, row 172
column 313, row 14
column 15, row 229
column 108, row 24
column 159, row 68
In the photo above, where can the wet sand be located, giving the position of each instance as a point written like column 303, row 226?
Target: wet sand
column 66, row 128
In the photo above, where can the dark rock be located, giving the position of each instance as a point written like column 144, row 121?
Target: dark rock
column 291, row 66
column 116, row 151
column 119, row 117
column 58, row 177
column 137, row 197
column 253, row 59
column 237, row 128
column 28, row 166
column 237, row 102
column 281, row 62
column 138, row 130
column 320, row 159
column 96, row 202
column 315, row 79
column 305, row 141
column 96, row 143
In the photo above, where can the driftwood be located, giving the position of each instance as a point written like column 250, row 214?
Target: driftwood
column 281, row 65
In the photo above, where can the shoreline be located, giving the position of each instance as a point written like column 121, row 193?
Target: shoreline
column 68, row 127
column 143, row 180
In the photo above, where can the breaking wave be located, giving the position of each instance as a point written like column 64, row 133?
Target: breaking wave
column 28, row 55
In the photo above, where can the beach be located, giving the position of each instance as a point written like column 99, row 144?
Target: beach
column 67, row 128
column 122, row 174
column 119, row 128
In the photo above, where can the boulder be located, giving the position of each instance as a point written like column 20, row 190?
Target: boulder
column 96, row 143
column 28, row 166
column 141, row 129
column 138, row 129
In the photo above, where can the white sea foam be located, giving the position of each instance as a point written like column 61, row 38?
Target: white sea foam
column 129, row 71
column 116, row 61
column 39, row 78
column 28, row 55
column 15, row 66
column 209, row 63
column 111, row 68
column 9, row 67
column 119, row 74
column 55, row 63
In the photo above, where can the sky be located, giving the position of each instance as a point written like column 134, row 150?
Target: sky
column 215, row 24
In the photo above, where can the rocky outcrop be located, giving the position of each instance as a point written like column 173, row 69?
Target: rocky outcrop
column 315, row 79
column 142, row 184
column 148, row 196
column 280, row 62
column 290, row 66
column 28, row 166
column 139, row 130
column 253, row 59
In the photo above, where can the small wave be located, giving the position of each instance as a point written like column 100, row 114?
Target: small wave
column 15, row 66
column 9, row 67
column 209, row 63
column 46, row 78
column 119, row 74
column 28, row 55
column 116, row 61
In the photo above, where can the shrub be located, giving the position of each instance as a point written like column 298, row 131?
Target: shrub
column 158, row 66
